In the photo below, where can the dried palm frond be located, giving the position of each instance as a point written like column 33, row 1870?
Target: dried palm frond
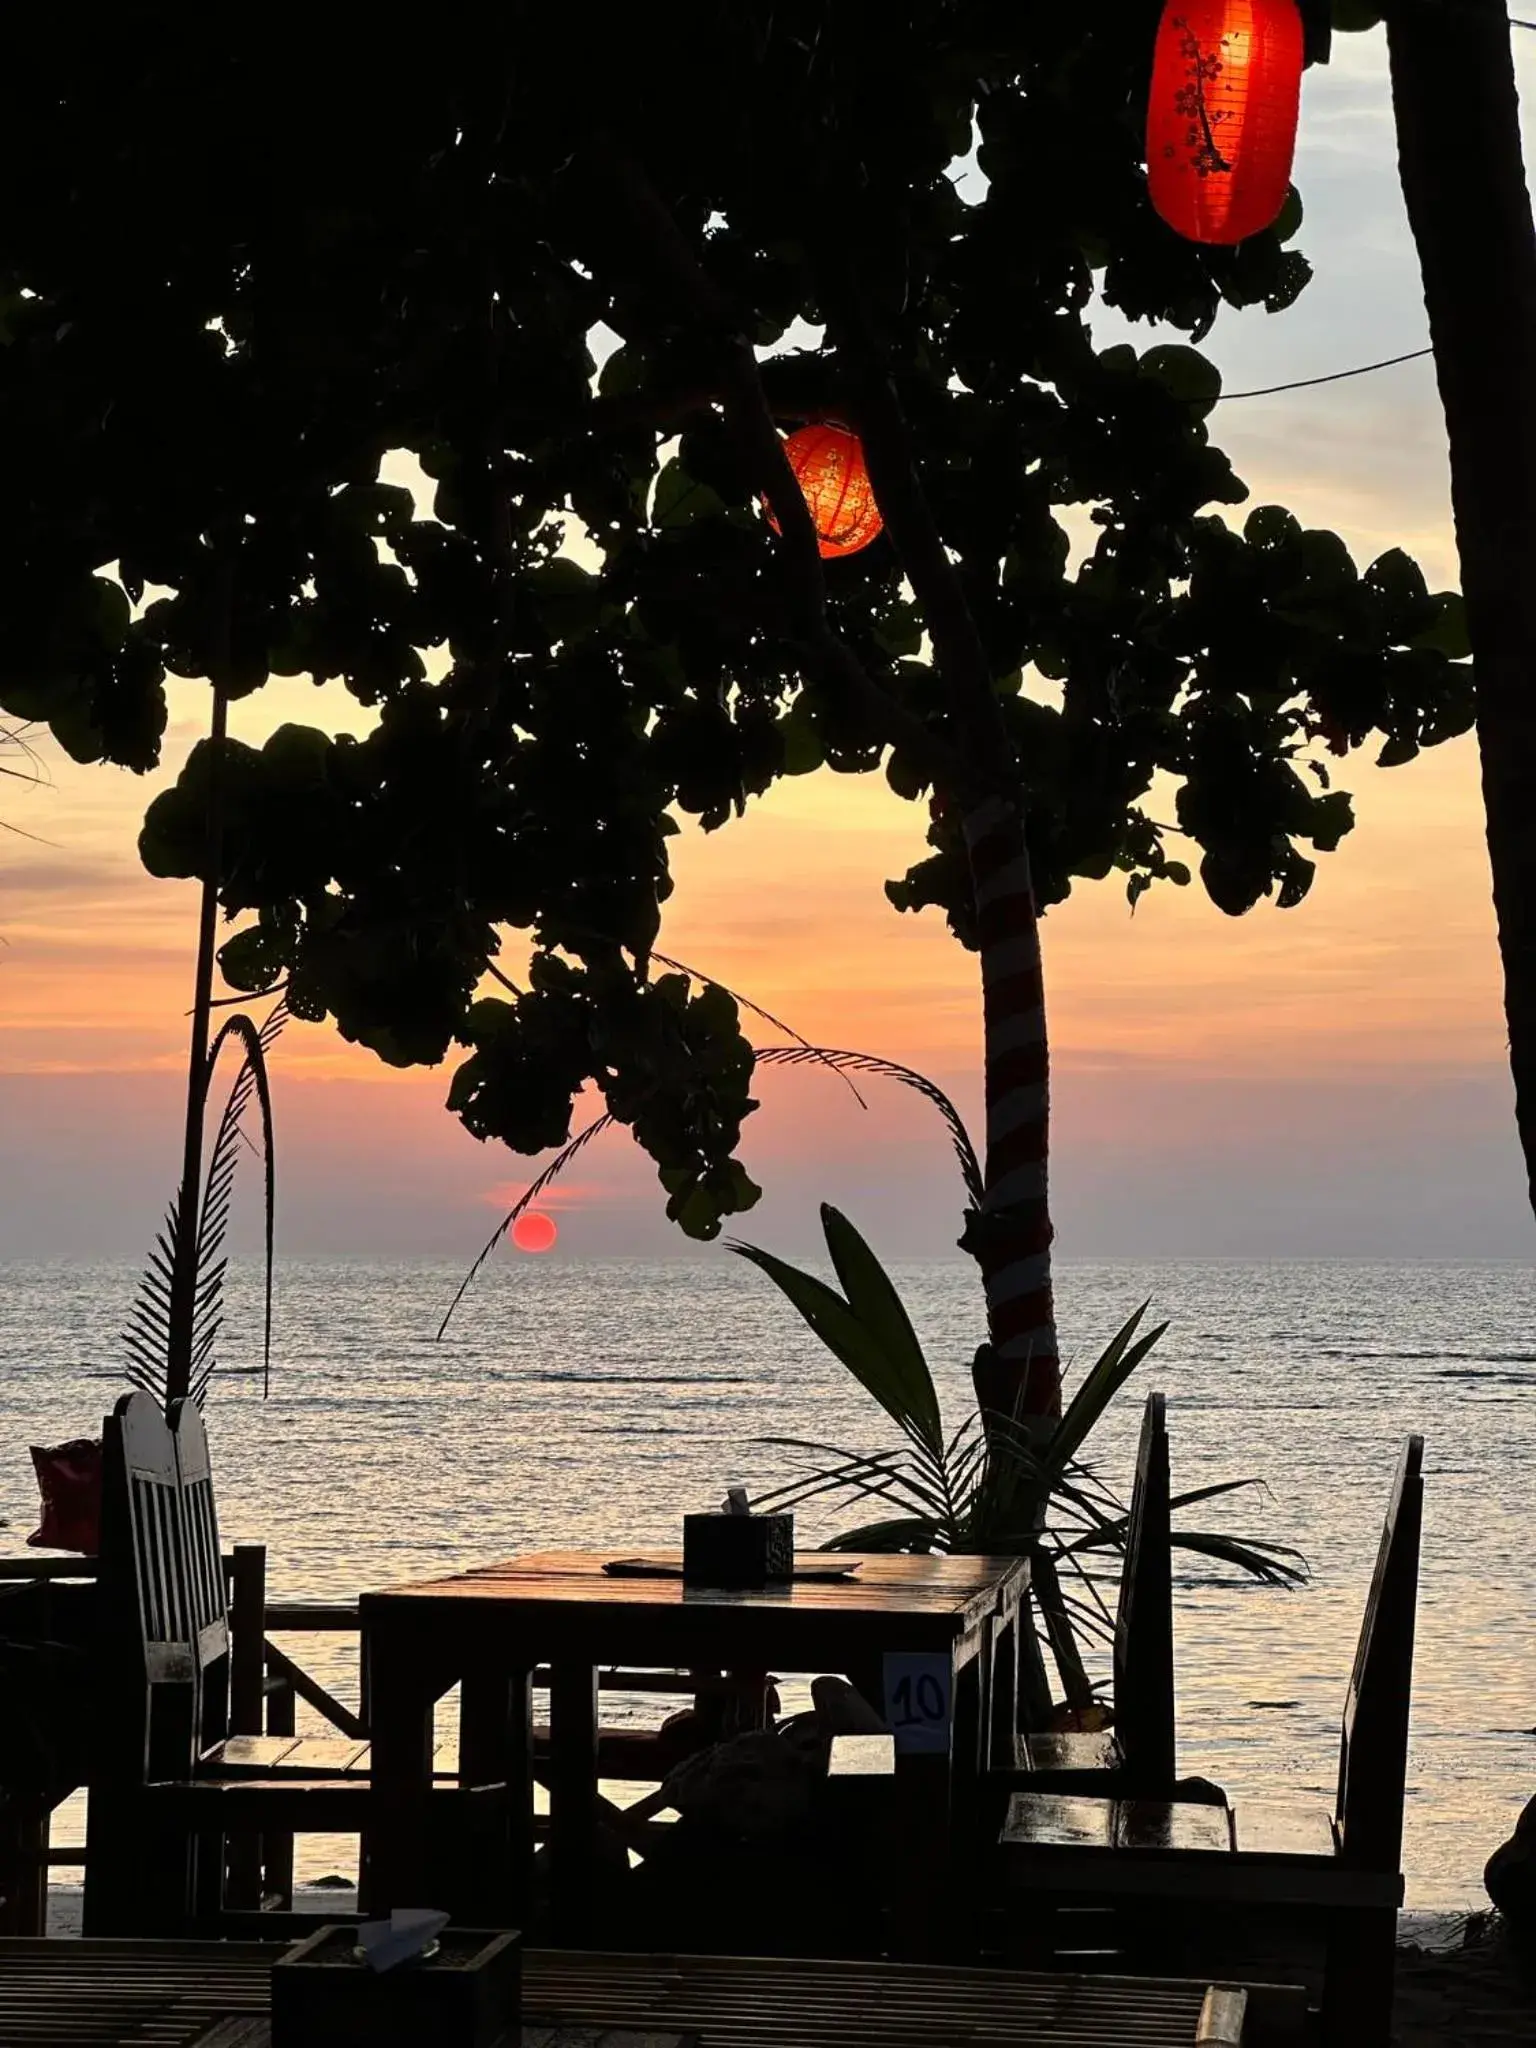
column 888, row 1070
column 843, row 1064
column 160, row 1327
column 535, row 1188
column 25, row 765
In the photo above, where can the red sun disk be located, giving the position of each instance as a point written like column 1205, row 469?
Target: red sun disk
column 534, row 1231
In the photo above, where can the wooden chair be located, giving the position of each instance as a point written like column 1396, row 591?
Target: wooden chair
column 1137, row 1753
column 45, row 1685
column 1344, row 1867
column 169, row 1786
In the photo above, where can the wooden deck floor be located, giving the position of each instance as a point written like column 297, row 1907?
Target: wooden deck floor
column 90, row 1994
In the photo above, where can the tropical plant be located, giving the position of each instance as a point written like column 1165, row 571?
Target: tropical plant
column 992, row 1487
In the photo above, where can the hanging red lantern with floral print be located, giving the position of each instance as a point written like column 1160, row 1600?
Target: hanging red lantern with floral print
column 1221, row 118
column 828, row 462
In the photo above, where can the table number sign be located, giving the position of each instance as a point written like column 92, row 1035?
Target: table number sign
column 919, row 1702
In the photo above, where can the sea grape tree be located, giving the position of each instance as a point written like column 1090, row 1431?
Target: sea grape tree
column 587, row 278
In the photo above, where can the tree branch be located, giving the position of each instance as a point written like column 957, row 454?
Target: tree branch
column 747, row 406
column 959, row 652
column 798, row 388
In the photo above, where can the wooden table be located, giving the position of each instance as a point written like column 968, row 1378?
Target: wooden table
column 99, row 1994
column 917, row 1635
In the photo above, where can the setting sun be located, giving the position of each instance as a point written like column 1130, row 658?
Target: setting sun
column 535, row 1232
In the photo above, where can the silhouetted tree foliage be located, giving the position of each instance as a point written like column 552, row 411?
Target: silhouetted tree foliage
column 237, row 274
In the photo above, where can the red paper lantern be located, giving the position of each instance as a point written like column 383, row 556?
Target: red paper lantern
column 1221, row 119
column 828, row 462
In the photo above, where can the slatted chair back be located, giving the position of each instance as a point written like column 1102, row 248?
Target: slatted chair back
column 206, row 1592
column 1143, row 1666
column 150, row 1694
column 1373, row 1753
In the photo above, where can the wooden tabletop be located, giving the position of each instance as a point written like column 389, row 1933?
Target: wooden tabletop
column 922, row 1601
column 961, row 1588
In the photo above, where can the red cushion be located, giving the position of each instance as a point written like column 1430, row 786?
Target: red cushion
column 69, row 1479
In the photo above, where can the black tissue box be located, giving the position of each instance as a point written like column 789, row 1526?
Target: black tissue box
column 738, row 1552
column 467, row 1995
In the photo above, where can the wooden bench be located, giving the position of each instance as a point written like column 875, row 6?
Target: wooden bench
column 170, row 1787
column 217, row 1994
column 1344, row 1866
column 1137, row 1752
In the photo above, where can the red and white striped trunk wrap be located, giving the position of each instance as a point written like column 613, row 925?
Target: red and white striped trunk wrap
column 1016, row 1272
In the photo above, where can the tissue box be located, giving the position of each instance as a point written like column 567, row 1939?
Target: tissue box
column 466, row 1996
column 738, row 1552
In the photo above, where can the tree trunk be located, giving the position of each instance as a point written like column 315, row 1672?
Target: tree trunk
column 1463, row 178
column 183, row 1317
column 1010, row 1237
column 1017, row 1373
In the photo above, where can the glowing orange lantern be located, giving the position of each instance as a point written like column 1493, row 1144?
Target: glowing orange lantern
column 1221, row 119
column 828, row 462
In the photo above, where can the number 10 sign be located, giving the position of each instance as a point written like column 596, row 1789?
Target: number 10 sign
column 918, row 1701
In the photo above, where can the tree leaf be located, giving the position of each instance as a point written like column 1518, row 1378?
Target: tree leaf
column 1189, row 376
column 680, row 499
column 881, row 1310
column 1448, row 635
column 845, row 1336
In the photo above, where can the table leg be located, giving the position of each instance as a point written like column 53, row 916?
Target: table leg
column 1003, row 1748
column 972, row 1692
column 920, row 1859
column 496, row 1748
column 923, row 1826
column 402, row 1691
column 572, row 1798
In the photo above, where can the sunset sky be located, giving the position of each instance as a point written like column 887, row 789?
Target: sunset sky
column 1328, row 1080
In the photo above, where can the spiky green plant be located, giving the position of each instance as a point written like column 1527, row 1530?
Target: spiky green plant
column 1002, row 1491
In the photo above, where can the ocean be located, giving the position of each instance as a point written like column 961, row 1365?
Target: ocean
column 593, row 1403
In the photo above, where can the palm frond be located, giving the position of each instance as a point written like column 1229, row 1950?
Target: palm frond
column 889, row 1070
column 708, row 981
column 884, row 1476
column 757, row 1010
column 898, row 1537
column 146, row 1340
column 866, row 1327
column 553, row 1171
column 1111, row 1370
column 251, row 1080
column 151, row 1336
column 1273, row 1564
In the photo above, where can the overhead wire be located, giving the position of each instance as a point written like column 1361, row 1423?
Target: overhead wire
column 1413, row 355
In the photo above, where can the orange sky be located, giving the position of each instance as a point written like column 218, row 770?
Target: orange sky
column 1325, row 1078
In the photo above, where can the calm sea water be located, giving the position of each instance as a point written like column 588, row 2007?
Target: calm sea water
column 592, row 1403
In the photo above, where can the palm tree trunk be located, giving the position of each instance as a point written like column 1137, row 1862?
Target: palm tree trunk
column 1463, row 178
